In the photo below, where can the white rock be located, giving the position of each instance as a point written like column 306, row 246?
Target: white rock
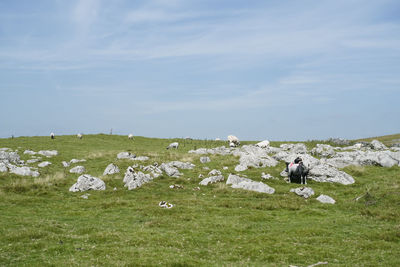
column 323, row 150
column 30, row 152
column 214, row 172
column 125, row 155
column 205, row 159
column 134, row 179
column 3, row 167
column 378, row 145
column 24, row 171
column 73, row 161
column 212, row 179
column 77, row 169
column 29, row 161
column 248, row 184
column 44, row 164
column 326, row 173
column 140, row 158
column 305, row 192
column 111, row 169
column 48, row 153
column 87, row 182
column 65, row 164
column 170, row 170
column 267, row 176
column 326, row 199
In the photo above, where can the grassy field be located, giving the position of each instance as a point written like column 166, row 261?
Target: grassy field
column 43, row 224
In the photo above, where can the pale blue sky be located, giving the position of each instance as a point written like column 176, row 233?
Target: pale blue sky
column 277, row 70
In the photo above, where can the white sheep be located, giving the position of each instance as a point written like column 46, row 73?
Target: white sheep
column 173, row 145
column 233, row 141
column 79, row 135
column 52, row 135
column 130, row 136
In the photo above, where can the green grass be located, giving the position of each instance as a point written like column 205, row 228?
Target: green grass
column 42, row 224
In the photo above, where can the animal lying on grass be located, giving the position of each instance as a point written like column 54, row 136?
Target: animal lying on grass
column 297, row 172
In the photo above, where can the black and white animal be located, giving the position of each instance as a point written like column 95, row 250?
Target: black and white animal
column 173, row 145
column 233, row 141
column 297, row 172
column 130, row 136
column 79, row 135
column 52, row 135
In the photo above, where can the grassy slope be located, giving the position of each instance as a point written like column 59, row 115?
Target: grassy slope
column 41, row 223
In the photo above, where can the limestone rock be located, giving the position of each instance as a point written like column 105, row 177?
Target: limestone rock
column 326, row 199
column 222, row 150
column 214, row 172
column 65, row 164
column 111, row 169
column 205, row 159
column 294, row 148
column 134, row 179
column 212, row 179
column 3, row 167
column 30, row 152
column 29, row 161
column 305, row 192
column 378, row 145
column 10, row 157
column 323, row 150
column 44, row 164
column 24, row 171
column 73, row 161
column 170, row 170
column 87, row 182
column 248, row 184
column 267, row 176
column 77, row 169
column 326, row 173
column 48, row 153
column 125, row 155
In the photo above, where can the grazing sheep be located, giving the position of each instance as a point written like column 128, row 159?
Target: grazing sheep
column 233, row 141
column 52, row 135
column 130, row 136
column 173, row 145
column 79, row 136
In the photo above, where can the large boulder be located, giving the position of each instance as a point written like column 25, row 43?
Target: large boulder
column 263, row 144
column 326, row 173
column 134, row 179
column 87, row 182
column 253, row 156
column 170, row 170
column 111, row 169
column 247, row 184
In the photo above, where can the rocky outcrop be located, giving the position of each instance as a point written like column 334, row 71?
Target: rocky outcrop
column 10, row 157
column 263, row 144
column 111, row 169
column 87, row 182
column 247, row 184
column 252, row 156
column 323, row 150
column 23, row 171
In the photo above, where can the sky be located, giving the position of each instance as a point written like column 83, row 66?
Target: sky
column 275, row 70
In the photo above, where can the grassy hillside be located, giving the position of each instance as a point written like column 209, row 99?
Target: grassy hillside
column 42, row 223
column 387, row 139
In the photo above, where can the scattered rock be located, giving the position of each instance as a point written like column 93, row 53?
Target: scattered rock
column 378, row 145
column 48, row 153
column 78, row 170
column 205, row 160
column 65, row 164
column 73, row 161
column 214, row 172
column 10, row 157
column 267, row 176
column 196, row 188
column 225, row 168
column 247, row 184
column 326, row 199
column 111, row 169
column 323, row 150
column 44, row 164
column 87, row 182
column 126, row 155
column 3, row 167
column 24, row 171
column 30, row 152
column 170, row 170
column 29, row 161
column 85, row 196
column 305, row 192
column 212, row 179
